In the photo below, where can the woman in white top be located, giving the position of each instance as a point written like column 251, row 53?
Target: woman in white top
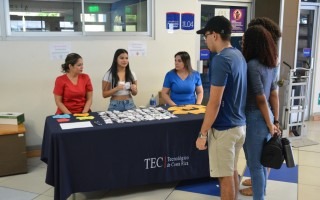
column 120, row 83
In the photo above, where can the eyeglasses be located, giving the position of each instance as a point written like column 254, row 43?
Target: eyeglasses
column 206, row 35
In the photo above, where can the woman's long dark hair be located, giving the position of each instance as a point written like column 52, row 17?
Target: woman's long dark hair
column 258, row 44
column 114, row 70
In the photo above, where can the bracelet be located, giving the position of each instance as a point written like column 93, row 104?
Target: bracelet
column 202, row 136
column 276, row 122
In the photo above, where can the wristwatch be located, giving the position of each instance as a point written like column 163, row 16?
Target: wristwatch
column 202, row 136
column 276, row 122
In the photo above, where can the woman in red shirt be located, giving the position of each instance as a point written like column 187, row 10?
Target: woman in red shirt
column 73, row 90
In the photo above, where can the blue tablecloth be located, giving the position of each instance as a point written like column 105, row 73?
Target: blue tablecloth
column 122, row 155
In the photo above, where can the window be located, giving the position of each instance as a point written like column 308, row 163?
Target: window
column 44, row 16
column 78, row 16
column 2, row 21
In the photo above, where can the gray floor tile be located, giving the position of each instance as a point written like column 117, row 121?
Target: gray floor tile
column 11, row 194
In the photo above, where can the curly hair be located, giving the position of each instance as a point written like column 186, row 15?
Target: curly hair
column 258, row 44
column 268, row 24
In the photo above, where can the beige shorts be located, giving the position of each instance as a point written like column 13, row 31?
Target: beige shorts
column 224, row 147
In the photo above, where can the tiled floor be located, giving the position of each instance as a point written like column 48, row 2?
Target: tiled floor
column 302, row 182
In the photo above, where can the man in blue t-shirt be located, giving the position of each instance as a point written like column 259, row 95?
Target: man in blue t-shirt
column 224, row 123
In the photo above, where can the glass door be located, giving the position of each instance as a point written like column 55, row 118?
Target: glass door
column 305, row 53
column 239, row 15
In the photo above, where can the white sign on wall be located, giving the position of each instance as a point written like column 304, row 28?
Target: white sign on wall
column 222, row 12
column 137, row 48
column 59, row 51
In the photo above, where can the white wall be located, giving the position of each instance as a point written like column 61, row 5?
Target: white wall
column 27, row 73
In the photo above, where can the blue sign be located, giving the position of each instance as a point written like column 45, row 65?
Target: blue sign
column 187, row 21
column 306, row 52
column 173, row 20
column 204, row 54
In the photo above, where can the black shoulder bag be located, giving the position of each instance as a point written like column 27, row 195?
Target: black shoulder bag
column 272, row 153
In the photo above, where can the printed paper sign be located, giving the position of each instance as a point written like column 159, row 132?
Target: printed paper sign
column 137, row 48
column 59, row 51
column 222, row 12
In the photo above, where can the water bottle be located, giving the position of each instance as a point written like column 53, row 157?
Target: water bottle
column 153, row 102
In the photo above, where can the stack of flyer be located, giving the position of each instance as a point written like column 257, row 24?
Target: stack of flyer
column 14, row 118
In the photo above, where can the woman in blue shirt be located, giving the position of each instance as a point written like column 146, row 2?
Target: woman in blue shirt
column 260, row 52
column 182, row 85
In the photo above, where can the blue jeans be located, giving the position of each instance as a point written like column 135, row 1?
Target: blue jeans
column 257, row 135
column 121, row 105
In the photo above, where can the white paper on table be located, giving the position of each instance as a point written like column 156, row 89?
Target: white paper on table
column 73, row 125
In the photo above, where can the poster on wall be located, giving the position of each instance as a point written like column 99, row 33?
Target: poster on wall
column 222, row 12
column 238, row 19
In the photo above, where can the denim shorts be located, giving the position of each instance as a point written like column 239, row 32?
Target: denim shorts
column 121, row 105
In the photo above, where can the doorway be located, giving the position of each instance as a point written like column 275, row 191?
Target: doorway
column 306, row 47
column 239, row 25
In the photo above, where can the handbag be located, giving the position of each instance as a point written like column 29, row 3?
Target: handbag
column 272, row 153
column 287, row 152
